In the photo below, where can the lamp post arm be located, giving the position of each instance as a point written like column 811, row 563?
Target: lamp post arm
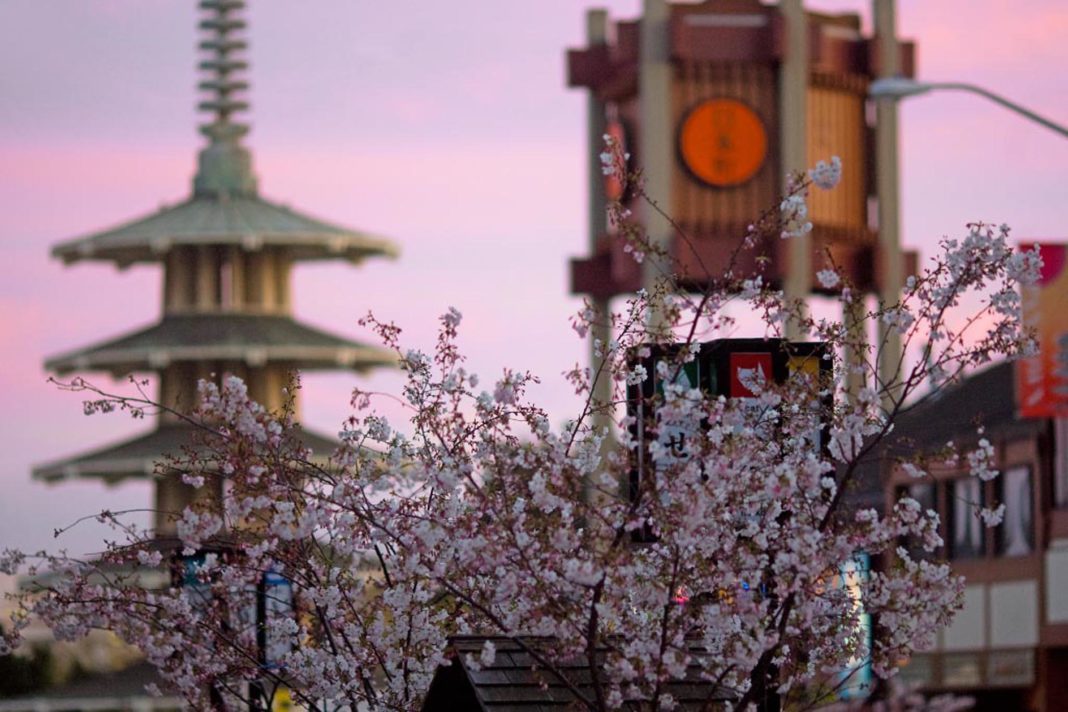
column 1012, row 106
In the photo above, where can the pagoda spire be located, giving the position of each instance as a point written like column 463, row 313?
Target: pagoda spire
column 224, row 166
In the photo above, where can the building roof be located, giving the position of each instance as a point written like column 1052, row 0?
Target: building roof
column 247, row 221
column 249, row 338
column 137, row 457
column 986, row 398
column 514, row 682
column 120, row 690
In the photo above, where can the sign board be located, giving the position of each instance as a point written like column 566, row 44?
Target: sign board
column 746, row 369
column 1010, row 668
column 282, row 700
column 262, row 607
column 277, row 605
column 1042, row 380
column 727, row 367
column 856, row 678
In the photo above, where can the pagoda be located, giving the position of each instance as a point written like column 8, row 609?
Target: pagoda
column 227, row 256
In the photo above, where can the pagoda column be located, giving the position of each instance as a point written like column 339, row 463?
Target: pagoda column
column 179, row 284
column 235, row 266
column 261, row 281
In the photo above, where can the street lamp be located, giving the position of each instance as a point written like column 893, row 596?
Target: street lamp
column 902, row 87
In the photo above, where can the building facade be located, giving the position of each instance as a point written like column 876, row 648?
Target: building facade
column 1008, row 647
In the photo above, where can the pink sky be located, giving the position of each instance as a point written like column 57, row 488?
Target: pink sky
column 446, row 126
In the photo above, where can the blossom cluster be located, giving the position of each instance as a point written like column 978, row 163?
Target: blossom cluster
column 793, row 208
column 826, row 175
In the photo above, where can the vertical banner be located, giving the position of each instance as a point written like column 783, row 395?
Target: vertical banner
column 662, row 366
column 277, row 605
column 855, row 681
column 1042, row 380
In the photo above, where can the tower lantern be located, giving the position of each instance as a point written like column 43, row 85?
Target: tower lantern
column 717, row 101
column 735, row 100
column 227, row 255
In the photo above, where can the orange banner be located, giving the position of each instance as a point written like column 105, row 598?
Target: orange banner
column 1042, row 380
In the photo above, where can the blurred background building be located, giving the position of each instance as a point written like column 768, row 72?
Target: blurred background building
column 226, row 254
column 1009, row 645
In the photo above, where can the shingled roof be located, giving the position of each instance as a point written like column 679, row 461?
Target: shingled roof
column 248, row 338
column 516, row 683
column 137, row 456
column 986, row 398
column 120, row 690
column 247, row 221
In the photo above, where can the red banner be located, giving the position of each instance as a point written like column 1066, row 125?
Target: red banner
column 1042, row 380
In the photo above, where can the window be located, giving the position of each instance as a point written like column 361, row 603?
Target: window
column 1060, row 462
column 1016, row 532
column 968, row 532
column 925, row 494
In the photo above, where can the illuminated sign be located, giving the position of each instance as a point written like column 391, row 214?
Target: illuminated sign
column 722, row 142
column 855, row 680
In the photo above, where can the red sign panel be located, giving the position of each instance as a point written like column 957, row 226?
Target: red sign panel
column 747, row 368
column 1042, row 380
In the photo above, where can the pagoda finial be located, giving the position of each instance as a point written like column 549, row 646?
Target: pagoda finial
column 225, row 166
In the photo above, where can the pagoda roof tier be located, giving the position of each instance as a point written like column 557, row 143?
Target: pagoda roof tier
column 247, row 338
column 137, row 457
column 246, row 221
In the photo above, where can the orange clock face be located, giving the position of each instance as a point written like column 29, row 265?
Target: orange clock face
column 723, row 142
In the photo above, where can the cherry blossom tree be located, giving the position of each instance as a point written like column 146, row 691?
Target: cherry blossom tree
column 479, row 516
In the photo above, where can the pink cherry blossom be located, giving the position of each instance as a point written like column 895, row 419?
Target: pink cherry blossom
column 728, row 558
